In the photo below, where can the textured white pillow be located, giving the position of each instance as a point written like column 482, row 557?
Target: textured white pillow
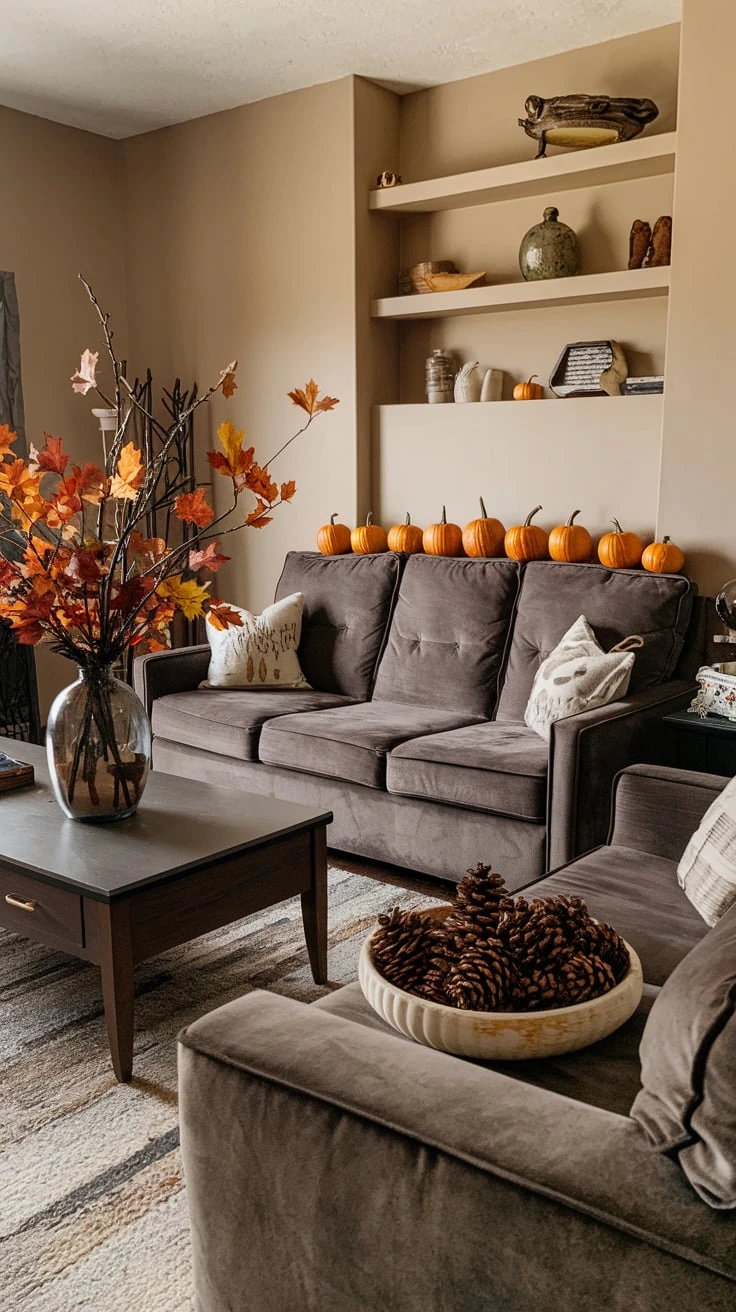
column 261, row 654
column 707, row 869
column 577, row 676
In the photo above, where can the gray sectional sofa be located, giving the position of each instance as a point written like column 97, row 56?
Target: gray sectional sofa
column 334, row 1166
column 414, row 733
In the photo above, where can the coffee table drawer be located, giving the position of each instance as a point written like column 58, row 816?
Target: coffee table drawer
column 40, row 910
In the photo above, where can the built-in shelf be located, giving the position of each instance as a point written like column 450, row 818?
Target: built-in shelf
column 645, row 157
column 623, row 285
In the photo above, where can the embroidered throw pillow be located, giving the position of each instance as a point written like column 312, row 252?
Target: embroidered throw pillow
column 260, row 654
column 707, row 869
column 577, row 676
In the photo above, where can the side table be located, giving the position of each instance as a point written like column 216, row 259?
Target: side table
column 694, row 743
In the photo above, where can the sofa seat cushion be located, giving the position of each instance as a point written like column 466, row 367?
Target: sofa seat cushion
column 350, row 742
column 229, row 723
column 605, row 1075
column 617, row 603
column 498, row 768
column 639, row 895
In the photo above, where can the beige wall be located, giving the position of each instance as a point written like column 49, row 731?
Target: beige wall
column 699, row 453
column 61, row 214
column 240, row 242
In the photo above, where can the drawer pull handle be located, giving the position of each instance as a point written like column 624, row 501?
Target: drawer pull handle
column 20, row 903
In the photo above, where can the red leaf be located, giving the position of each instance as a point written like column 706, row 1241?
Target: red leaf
column 52, row 457
column 209, row 559
column 193, row 509
column 221, row 616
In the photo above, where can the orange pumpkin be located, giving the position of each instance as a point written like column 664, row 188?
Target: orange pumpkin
column 443, row 539
column 526, row 541
column 333, row 539
column 369, row 538
column 484, row 536
column 406, row 537
column 570, row 541
column 663, row 557
column 619, row 550
column 529, row 391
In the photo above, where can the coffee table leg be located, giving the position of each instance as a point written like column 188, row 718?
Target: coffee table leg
column 314, row 908
column 116, row 966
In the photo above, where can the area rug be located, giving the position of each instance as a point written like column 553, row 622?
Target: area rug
column 92, row 1204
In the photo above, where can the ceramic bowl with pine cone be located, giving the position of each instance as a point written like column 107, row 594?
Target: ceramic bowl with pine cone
column 500, row 1035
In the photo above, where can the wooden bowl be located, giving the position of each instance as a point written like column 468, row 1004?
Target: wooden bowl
column 452, row 282
column 500, row 1035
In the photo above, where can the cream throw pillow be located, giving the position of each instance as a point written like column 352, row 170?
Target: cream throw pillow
column 261, row 654
column 577, row 676
column 707, row 869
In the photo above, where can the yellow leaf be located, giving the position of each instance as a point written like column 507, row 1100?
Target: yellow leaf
column 129, row 475
column 188, row 596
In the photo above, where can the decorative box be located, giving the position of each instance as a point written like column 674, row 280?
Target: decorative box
column 716, row 693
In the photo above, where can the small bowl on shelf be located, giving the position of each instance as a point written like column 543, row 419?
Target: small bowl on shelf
column 453, row 282
column 500, row 1035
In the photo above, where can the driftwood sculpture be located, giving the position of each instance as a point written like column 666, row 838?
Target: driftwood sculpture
column 579, row 121
column 650, row 248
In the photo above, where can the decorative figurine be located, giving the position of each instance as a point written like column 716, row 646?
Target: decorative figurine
column 639, row 239
column 549, row 249
column 388, row 179
column 581, row 121
column 650, row 248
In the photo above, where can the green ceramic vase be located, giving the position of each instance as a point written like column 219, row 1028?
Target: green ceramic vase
column 549, row 249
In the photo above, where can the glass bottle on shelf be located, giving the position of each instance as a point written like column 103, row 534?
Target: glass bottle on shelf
column 439, row 374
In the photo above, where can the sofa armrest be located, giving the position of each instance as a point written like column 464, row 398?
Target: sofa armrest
column 162, row 672
column 587, row 751
column 332, row 1168
column 656, row 809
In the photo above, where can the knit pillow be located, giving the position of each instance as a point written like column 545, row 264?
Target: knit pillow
column 577, row 676
column 707, row 869
column 260, row 654
column 686, row 1106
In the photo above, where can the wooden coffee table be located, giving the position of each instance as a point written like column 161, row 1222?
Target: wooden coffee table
column 193, row 858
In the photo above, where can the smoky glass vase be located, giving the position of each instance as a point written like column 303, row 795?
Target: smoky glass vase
column 98, row 743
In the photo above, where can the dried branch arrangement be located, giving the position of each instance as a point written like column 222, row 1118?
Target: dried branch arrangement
column 494, row 952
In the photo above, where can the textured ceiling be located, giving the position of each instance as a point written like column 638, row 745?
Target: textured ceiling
column 120, row 67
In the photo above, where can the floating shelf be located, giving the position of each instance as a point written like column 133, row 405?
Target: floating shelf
column 645, row 157
column 623, row 285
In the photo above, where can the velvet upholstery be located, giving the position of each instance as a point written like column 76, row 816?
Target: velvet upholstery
column 688, row 1066
column 419, row 835
column 364, row 1173
column 230, row 722
column 448, row 634
column 616, row 603
column 159, row 673
column 494, row 767
column 644, row 816
column 586, row 753
column 640, row 896
column 605, row 1075
column 347, row 603
column 350, row 742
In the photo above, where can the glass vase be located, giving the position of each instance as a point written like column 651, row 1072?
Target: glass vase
column 98, row 743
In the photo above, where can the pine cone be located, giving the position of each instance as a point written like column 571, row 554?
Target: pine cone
column 586, row 977
column 402, row 947
column 601, row 940
column 480, row 895
column 482, row 980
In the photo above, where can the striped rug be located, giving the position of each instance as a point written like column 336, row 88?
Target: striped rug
column 92, row 1204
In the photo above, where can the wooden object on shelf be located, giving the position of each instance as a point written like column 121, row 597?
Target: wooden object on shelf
column 660, row 246
column 452, row 282
column 414, row 279
column 646, row 157
column 623, row 285
column 639, row 239
column 589, row 369
column 581, row 121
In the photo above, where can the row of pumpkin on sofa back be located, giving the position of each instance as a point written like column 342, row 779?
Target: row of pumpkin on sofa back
column 487, row 537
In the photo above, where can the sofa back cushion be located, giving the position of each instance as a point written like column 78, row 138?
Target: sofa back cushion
column 616, row 604
column 448, row 634
column 686, row 1105
column 347, row 604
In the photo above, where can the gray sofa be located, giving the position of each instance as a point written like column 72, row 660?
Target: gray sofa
column 413, row 735
column 334, row 1166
